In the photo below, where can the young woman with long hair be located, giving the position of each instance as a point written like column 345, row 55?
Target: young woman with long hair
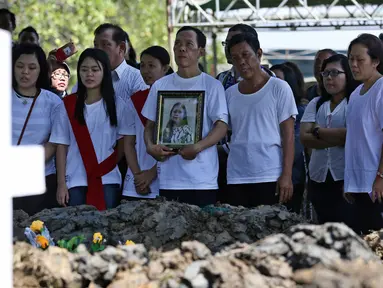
column 86, row 131
column 33, row 112
column 141, row 180
column 323, row 129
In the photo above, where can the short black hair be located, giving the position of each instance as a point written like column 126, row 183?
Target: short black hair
column 5, row 11
column 32, row 49
column 381, row 36
column 29, row 29
column 326, row 50
column 159, row 53
column 245, row 37
column 374, row 46
column 244, row 29
column 201, row 38
column 119, row 35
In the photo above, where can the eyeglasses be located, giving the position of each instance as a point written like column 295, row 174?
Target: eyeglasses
column 332, row 73
column 60, row 75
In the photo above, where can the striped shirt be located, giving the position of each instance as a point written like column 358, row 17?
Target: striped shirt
column 40, row 122
column 127, row 80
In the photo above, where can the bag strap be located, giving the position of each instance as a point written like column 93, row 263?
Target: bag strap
column 28, row 116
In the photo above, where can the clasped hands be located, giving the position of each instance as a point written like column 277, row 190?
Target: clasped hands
column 161, row 152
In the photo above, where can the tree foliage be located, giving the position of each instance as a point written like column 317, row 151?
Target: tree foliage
column 58, row 22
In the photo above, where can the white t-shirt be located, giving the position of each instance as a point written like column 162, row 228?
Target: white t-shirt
column 103, row 135
column 40, row 123
column 364, row 138
column 329, row 159
column 127, row 80
column 256, row 146
column 202, row 172
column 133, row 126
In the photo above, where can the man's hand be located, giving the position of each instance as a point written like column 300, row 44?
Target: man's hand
column 160, row 152
column 143, row 179
column 377, row 190
column 190, row 152
column 285, row 188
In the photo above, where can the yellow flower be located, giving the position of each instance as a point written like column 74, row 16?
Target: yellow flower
column 129, row 242
column 44, row 243
column 37, row 226
column 97, row 238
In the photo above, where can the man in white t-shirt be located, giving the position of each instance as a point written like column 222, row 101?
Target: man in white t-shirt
column 262, row 110
column 190, row 174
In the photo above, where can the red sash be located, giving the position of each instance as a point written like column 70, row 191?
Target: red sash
column 139, row 99
column 94, row 170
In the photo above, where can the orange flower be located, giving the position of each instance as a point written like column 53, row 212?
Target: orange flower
column 129, row 242
column 37, row 226
column 44, row 243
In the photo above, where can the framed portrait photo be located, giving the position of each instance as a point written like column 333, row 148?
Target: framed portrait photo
column 179, row 118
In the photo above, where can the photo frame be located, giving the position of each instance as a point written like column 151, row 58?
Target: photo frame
column 179, row 118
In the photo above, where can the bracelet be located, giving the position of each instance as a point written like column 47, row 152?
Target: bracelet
column 379, row 174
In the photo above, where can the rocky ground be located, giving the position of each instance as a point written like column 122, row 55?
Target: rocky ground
column 288, row 255
column 162, row 224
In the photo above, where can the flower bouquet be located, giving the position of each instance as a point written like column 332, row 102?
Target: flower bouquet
column 38, row 235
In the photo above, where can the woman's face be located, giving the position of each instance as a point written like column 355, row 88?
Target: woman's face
column 362, row 65
column 27, row 71
column 60, row 79
column 151, row 69
column 178, row 114
column 334, row 84
column 91, row 73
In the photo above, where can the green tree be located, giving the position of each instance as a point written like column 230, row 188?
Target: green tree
column 58, row 22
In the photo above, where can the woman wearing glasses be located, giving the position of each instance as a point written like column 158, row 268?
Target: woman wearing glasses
column 59, row 78
column 323, row 129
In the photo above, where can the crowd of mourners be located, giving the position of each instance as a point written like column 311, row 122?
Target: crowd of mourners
column 266, row 139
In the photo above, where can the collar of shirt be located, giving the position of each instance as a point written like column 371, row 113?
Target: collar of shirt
column 119, row 71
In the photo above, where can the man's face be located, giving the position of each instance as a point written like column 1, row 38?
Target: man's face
column 6, row 22
column 115, row 52
column 246, row 61
column 228, row 38
column 29, row 37
column 186, row 49
column 318, row 64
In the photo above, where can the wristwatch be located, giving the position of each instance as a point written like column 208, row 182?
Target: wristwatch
column 379, row 174
column 316, row 132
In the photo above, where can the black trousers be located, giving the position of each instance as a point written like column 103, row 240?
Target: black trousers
column 200, row 198
column 327, row 199
column 223, row 194
column 295, row 204
column 254, row 194
column 36, row 203
column 368, row 215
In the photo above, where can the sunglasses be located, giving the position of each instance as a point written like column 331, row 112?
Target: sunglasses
column 332, row 73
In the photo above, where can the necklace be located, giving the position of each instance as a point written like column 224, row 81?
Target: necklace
column 23, row 98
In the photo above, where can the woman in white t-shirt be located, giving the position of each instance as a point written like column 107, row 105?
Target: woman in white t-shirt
column 323, row 129
column 363, row 180
column 141, row 179
column 33, row 111
column 86, row 131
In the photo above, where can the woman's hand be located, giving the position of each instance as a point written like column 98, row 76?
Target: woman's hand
column 143, row 179
column 62, row 195
column 377, row 189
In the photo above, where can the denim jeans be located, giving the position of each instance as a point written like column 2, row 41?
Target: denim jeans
column 112, row 195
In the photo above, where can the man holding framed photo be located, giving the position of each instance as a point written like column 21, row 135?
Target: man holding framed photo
column 182, row 108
